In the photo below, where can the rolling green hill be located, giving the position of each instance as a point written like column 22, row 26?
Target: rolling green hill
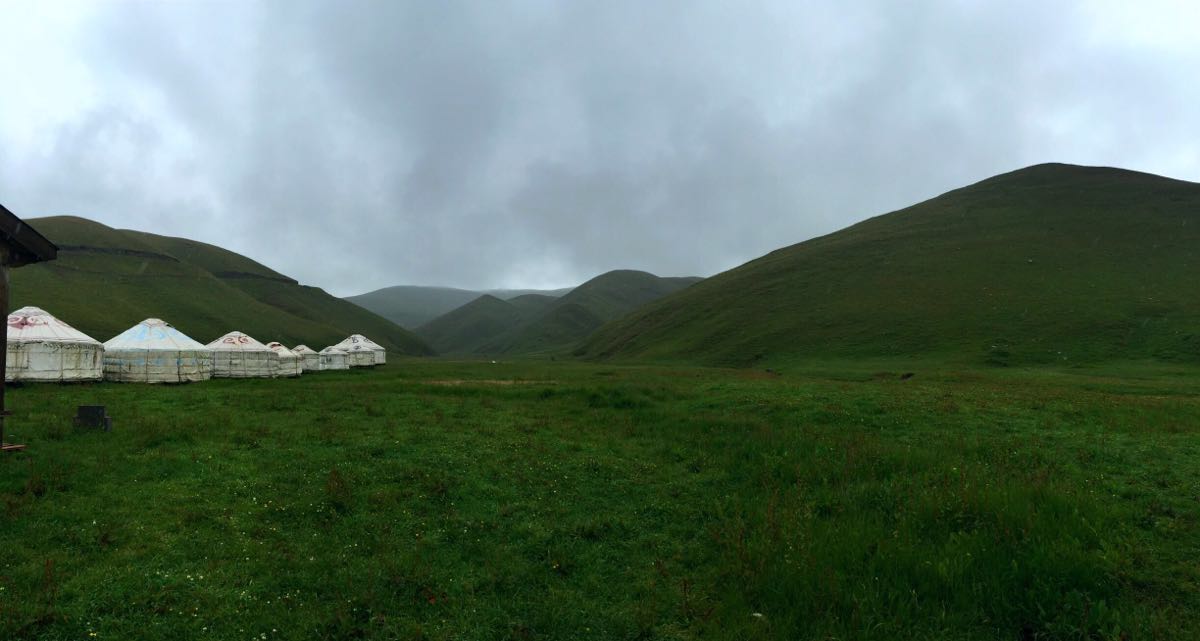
column 411, row 306
column 1053, row 263
column 533, row 324
column 105, row 280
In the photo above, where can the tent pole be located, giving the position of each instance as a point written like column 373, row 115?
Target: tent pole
column 4, row 365
column 4, row 342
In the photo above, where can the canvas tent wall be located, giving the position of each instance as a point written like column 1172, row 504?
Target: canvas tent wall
column 361, row 354
column 381, row 352
column 43, row 348
column 289, row 362
column 154, row 352
column 310, row 360
column 236, row 355
column 334, row 358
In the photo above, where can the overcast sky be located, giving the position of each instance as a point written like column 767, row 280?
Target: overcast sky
column 355, row 145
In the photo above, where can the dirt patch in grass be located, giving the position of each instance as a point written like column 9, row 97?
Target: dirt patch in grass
column 487, row 381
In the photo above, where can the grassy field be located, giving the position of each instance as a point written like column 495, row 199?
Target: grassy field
column 440, row 500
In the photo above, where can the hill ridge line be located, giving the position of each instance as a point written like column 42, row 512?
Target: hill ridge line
column 118, row 251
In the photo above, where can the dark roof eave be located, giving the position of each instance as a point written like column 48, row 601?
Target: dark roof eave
column 25, row 244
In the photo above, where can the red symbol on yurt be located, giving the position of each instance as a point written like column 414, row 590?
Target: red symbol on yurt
column 21, row 322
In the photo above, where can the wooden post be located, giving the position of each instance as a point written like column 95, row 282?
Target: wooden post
column 20, row 245
column 5, row 447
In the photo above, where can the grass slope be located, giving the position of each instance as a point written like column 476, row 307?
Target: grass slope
column 105, row 280
column 412, row 306
column 434, row 500
column 1053, row 263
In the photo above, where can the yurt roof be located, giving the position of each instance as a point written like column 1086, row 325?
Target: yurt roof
column 34, row 325
column 237, row 342
column 333, row 350
column 282, row 350
column 303, row 349
column 152, row 333
column 370, row 343
column 360, row 347
column 356, row 340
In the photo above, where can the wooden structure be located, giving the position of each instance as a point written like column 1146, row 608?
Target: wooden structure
column 20, row 245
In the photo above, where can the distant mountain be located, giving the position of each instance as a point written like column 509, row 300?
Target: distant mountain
column 532, row 324
column 584, row 309
column 105, row 280
column 468, row 328
column 412, row 306
column 1050, row 264
column 530, row 305
column 509, row 294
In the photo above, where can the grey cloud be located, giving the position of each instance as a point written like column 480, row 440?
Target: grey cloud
column 540, row 143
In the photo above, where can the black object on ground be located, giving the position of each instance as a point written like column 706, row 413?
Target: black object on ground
column 93, row 416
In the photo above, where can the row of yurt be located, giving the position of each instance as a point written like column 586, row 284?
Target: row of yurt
column 43, row 348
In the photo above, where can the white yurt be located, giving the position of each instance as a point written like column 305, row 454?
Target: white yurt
column 334, row 358
column 358, row 355
column 290, row 363
column 43, row 348
column 380, row 351
column 310, row 360
column 378, row 354
column 154, row 352
column 236, row 355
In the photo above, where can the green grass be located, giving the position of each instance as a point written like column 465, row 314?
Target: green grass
column 106, row 280
column 1054, row 264
column 425, row 500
